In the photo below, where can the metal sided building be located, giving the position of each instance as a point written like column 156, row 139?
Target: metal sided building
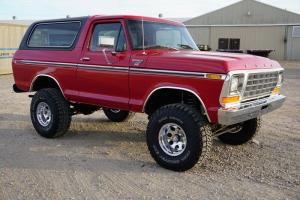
column 10, row 38
column 249, row 25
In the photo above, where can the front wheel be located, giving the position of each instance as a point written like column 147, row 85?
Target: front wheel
column 178, row 137
column 117, row 115
column 50, row 113
column 245, row 132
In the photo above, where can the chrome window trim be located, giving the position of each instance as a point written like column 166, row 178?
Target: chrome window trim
column 176, row 88
column 65, row 22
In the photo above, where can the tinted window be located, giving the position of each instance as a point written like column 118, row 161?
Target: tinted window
column 54, row 34
column 108, row 36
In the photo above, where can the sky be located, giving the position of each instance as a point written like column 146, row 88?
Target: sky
column 45, row 9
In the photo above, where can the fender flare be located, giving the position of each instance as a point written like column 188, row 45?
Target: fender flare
column 177, row 88
column 48, row 76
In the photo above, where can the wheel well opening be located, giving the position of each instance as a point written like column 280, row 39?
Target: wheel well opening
column 164, row 97
column 44, row 82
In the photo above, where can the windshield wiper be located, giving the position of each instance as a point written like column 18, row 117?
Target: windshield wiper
column 160, row 47
column 185, row 46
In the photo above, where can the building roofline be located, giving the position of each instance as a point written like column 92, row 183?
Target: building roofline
column 243, row 25
column 13, row 24
column 212, row 11
column 240, row 2
column 285, row 10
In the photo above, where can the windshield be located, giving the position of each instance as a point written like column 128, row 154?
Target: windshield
column 159, row 36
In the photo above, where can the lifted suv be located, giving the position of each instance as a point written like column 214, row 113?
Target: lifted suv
column 125, row 64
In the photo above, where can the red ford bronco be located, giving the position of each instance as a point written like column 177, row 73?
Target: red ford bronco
column 124, row 64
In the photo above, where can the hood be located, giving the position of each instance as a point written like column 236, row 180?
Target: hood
column 211, row 62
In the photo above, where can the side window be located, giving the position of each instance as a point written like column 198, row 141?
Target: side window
column 108, row 36
column 56, row 34
column 121, row 45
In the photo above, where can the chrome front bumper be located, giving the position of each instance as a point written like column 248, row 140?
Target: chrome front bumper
column 250, row 110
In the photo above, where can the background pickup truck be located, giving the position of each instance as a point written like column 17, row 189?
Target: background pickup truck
column 125, row 64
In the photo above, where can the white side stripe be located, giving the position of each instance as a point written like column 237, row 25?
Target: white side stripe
column 115, row 68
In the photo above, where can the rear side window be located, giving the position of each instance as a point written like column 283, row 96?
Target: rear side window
column 56, row 34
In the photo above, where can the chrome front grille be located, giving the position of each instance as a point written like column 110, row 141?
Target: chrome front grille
column 260, row 84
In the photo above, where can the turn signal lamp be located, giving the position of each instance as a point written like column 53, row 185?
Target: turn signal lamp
column 231, row 99
column 214, row 76
column 276, row 90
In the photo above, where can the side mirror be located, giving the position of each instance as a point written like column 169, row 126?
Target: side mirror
column 106, row 42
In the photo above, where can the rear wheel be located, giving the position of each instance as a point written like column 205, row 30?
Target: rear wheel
column 178, row 137
column 50, row 113
column 117, row 115
column 246, row 131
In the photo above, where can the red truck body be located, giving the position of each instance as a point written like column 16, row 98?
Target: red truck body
column 125, row 86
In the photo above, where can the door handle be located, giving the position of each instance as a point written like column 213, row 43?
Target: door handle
column 85, row 59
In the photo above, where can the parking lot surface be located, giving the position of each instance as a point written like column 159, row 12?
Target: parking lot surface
column 98, row 159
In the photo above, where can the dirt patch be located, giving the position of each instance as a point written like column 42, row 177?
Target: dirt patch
column 99, row 159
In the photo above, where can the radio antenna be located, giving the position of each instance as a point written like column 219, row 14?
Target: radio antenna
column 143, row 37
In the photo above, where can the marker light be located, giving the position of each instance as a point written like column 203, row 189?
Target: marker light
column 276, row 90
column 231, row 99
column 214, row 76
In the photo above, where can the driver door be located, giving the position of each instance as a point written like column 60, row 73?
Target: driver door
column 103, row 67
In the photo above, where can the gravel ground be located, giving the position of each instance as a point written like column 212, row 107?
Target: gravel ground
column 99, row 159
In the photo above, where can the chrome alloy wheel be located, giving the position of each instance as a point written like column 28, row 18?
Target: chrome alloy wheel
column 172, row 139
column 43, row 114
